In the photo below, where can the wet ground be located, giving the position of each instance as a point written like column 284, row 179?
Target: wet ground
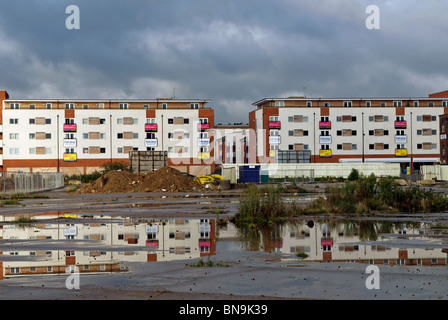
column 182, row 246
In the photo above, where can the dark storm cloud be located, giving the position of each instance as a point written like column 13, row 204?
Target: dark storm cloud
column 233, row 52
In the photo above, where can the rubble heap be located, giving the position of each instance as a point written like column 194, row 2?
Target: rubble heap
column 164, row 179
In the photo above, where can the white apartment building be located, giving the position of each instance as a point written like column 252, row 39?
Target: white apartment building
column 331, row 130
column 78, row 136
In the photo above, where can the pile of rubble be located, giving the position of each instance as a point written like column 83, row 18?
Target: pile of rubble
column 164, row 179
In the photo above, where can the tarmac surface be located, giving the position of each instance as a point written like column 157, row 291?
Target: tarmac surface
column 247, row 275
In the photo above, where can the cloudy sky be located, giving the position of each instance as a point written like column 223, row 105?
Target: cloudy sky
column 233, row 52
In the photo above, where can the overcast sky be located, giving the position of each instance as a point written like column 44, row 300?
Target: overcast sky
column 233, row 52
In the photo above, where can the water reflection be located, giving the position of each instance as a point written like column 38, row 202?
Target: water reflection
column 365, row 241
column 53, row 242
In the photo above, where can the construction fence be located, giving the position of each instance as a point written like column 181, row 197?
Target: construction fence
column 30, row 182
column 302, row 172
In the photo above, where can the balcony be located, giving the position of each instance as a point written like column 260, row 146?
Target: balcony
column 150, row 127
column 400, row 124
column 325, row 153
column 401, row 152
column 69, row 127
column 324, row 124
column 274, row 124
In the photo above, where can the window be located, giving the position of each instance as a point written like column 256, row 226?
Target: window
column 164, row 106
column 32, row 136
column 85, row 106
column 170, row 121
column 368, row 103
column 151, row 120
column 14, row 106
column 32, row 106
column 119, row 135
column 14, row 136
column 68, row 106
column 123, row 105
column 397, row 103
column 279, row 103
column 13, row 150
column 430, row 104
column 326, row 104
column 120, row 150
column 194, row 105
column 309, row 104
column 347, row 103
column 416, row 103
column 47, row 121
column 134, row 135
column 119, row 120
column 146, row 106
column 186, row 121
column 382, row 104
column 13, row 121
column 444, row 103
column 273, row 118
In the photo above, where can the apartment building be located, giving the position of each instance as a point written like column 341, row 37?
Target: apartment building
column 78, row 136
column 329, row 130
column 231, row 143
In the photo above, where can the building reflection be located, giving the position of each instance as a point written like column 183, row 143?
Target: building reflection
column 370, row 242
column 55, row 242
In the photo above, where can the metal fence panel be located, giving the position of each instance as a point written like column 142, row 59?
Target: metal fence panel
column 29, row 182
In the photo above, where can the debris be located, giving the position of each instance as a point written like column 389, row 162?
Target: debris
column 164, row 179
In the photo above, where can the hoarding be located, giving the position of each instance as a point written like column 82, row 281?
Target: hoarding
column 325, row 153
column 401, row 152
column 151, row 127
column 150, row 142
column 275, row 124
column 70, row 157
column 203, row 142
column 69, row 143
column 204, row 155
column 325, row 139
column 400, row 139
column 274, row 139
column 400, row 124
column 69, row 127
column 325, row 125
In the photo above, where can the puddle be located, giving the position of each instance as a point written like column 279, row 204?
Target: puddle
column 366, row 241
column 48, row 244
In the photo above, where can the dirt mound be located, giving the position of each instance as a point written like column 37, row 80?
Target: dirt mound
column 164, row 179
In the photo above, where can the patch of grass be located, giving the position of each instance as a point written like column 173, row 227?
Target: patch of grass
column 263, row 204
column 371, row 194
column 208, row 263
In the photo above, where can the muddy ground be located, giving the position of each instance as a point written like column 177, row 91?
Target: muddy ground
column 249, row 275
